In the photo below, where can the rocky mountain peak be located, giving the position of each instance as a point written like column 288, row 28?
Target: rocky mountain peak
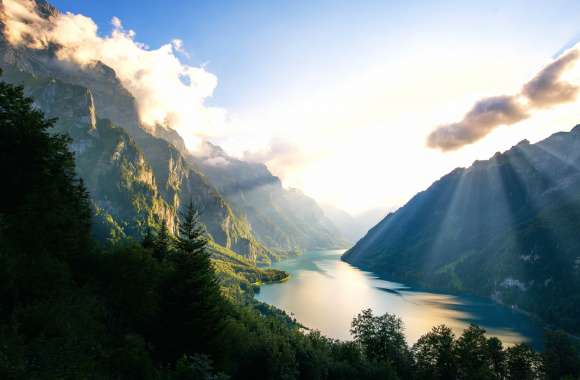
column 45, row 9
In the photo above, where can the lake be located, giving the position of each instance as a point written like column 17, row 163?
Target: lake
column 324, row 293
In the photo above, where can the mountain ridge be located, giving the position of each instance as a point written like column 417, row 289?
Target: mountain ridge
column 503, row 228
column 178, row 177
column 176, row 183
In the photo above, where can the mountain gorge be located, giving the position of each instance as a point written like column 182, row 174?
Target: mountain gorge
column 139, row 176
column 505, row 228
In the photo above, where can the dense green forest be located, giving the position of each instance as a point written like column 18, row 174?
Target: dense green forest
column 72, row 308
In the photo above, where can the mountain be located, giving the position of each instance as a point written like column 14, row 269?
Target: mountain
column 282, row 218
column 139, row 176
column 135, row 179
column 506, row 228
column 352, row 227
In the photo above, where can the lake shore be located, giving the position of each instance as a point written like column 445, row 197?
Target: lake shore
column 325, row 293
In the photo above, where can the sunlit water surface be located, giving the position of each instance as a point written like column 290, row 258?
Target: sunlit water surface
column 324, row 293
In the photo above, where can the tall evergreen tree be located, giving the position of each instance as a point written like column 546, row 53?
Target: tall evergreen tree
column 39, row 180
column 162, row 242
column 192, row 301
column 49, row 327
column 192, row 234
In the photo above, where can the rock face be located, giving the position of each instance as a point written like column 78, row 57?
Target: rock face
column 507, row 227
column 139, row 176
column 134, row 178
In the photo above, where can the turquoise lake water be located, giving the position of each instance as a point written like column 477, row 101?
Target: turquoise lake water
column 324, row 293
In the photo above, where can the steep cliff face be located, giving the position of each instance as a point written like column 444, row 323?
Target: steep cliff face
column 121, row 182
column 134, row 177
column 506, row 228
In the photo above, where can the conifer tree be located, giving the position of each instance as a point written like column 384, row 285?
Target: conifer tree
column 40, row 185
column 162, row 242
column 49, row 327
column 192, row 300
column 192, row 235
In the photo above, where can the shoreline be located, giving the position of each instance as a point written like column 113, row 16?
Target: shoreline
column 485, row 311
column 515, row 308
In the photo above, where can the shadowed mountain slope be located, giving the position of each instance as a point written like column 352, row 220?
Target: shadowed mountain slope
column 505, row 228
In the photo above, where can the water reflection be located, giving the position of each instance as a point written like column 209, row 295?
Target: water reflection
column 325, row 293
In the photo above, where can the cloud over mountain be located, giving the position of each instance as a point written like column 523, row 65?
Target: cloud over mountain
column 547, row 89
column 281, row 156
column 168, row 92
column 485, row 115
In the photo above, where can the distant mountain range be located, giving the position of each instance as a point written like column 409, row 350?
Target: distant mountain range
column 353, row 226
column 506, row 228
column 281, row 218
column 138, row 176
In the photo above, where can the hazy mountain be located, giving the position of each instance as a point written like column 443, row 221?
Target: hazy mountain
column 353, row 227
column 281, row 218
column 505, row 228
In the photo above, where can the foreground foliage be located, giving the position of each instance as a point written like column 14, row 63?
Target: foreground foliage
column 70, row 309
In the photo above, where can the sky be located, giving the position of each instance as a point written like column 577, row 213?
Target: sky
column 340, row 98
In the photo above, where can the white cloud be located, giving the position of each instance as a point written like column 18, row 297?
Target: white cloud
column 167, row 91
column 545, row 90
column 217, row 161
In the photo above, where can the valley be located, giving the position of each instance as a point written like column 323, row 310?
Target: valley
column 148, row 231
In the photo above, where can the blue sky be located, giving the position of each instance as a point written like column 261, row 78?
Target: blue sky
column 338, row 97
column 263, row 49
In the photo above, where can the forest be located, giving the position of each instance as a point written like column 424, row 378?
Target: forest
column 75, row 308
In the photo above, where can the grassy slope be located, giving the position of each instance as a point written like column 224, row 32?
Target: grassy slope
column 238, row 275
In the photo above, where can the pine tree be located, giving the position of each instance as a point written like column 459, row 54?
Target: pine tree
column 162, row 242
column 49, row 327
column 192, row 300
column 40, row 185
column 192, row 235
